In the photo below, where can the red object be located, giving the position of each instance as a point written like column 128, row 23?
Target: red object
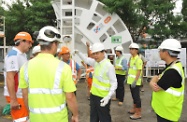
column 16, row 82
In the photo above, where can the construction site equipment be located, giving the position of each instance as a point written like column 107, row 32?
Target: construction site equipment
column 87, row 20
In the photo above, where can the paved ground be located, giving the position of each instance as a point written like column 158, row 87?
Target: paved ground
column 119, row 113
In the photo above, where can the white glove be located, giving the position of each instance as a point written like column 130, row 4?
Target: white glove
column 104, row 101
column 133, row 85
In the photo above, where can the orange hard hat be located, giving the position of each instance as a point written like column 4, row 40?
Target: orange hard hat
column 64, row 50
column 23, row 36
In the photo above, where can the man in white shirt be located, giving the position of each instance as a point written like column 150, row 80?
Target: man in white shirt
column 13, row 62
column 104, row 83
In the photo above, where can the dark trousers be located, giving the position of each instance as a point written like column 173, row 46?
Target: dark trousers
column 160, row 119
column 120, row 92
column 135, row 92
column 98, row 113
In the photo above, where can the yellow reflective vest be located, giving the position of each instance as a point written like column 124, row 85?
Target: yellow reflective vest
column 100, row 83
column 47, row 80
column 135, row 64
column 168, row 104
column 119, row 65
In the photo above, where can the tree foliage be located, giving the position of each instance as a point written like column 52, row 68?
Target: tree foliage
column 154, row 17
column 27, row 16
column 15, row 20
column 41, row 13
column 183, row 26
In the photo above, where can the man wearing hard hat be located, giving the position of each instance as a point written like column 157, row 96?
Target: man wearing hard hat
column 120, row 68
column 13, row 62
column 76, row 70
column 168, row 87
column 104, row 83
column 134, row 80
column 36, row 50
column 46, row 82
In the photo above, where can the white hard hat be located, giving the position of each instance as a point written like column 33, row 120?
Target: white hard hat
column 171, row 44
column 134, row 45
column 49, row 34
column 97, row 47
column 119, row 48
column 36, row 49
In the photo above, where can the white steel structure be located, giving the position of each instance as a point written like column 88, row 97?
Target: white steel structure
column 86, row 20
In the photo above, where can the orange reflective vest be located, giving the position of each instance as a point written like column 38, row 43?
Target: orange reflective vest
column 74, row 70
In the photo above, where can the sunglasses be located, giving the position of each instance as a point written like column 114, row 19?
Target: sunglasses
column 51, row 34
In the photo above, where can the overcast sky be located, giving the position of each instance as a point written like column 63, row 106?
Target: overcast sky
column 178, row 6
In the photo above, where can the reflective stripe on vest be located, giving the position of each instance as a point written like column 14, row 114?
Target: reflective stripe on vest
column 73, row 70
column 172, row 99
column 120, row 60
column 170, row 90
column 26, row 75
column 55, row 90
column 45, row 91
column 134, row 65
column 175, row 93
column 132, row 76
column 100, row 87
column 23, row 119
column 133, row 69
column 101, row 81
column 100, row 77
column 47, row 110
column 119, row 67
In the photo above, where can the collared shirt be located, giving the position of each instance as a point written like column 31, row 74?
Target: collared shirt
column 111, row 71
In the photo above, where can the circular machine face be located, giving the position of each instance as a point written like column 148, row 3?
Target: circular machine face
column 86, row 20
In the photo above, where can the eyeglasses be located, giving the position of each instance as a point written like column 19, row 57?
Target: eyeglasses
column 51, row 34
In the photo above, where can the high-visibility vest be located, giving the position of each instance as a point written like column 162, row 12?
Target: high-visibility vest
column 100, row 83
column 74, row 70
column 48, row 107
column 118, row 65
column 132, row 71
column 168, row 104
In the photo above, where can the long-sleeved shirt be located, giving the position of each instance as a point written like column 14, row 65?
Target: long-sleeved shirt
column 124, row 63
column 110, row 73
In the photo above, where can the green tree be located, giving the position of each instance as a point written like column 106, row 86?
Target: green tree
column 15, row 20
column 151, row 16
column 40, row 14
column 1, row 14
column 27, row 16
column 183, row 26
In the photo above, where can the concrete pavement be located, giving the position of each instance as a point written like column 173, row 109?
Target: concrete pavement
column 118, row 113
